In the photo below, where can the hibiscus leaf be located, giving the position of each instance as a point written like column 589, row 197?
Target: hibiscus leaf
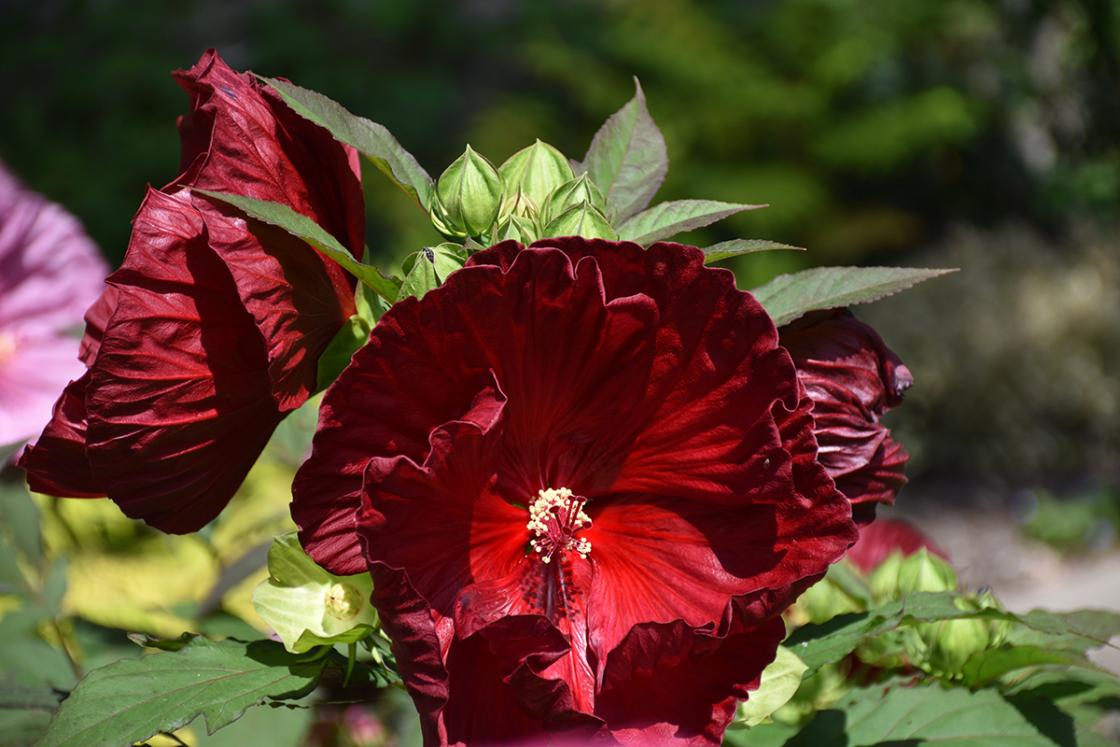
column 787, row 297
column 677, row 216
column 371, row 139
column 302, row 227
column 1080, row 630
column 779, row 682
column 130, row 700
column 738, row 247
column 986, row 667
column 930, row 715
column 628, row 159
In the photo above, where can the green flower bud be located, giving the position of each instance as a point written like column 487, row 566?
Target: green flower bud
column 581, row 220
column 883, row 581
column 953, row 642
column 923, row 571
column 577, row 191
column 517, row 203
column 519, row 229
column 306, row 605
column 823, row 601
column 535, row 171
column 470, row 195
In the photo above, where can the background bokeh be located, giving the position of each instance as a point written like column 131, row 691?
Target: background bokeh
column 976, row 134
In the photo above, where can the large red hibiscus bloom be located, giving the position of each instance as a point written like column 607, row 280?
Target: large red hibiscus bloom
column 212, row 328
column 853, row 378
column 585, row 483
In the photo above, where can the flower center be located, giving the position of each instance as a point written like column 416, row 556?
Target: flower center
column 343, row 601
column 554, row 518
column 7, row 347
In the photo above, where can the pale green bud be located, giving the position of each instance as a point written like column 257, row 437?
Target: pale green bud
column 953, row 642
column 883, row 581
column 924, row 571
column 518, row 203
column 535, row 171
column 470, row 195
column 581, row 220
column 823, row 601
column 519, row 229
column 575, row 192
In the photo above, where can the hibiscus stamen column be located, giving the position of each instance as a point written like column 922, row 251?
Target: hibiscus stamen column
column 554, row 518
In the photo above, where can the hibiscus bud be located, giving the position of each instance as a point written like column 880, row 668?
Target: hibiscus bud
column 924, row 571
column 883, row 581
column 470, row 194
column 575, row 192
column 519, row 229
column 343, row 601
column 517, row 204
column 583, row 220
column 535, row 172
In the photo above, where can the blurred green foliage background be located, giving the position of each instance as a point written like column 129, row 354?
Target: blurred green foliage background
column 970, row 133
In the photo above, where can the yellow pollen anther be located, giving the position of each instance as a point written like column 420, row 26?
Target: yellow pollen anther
column 343, row 601
column 554, row 518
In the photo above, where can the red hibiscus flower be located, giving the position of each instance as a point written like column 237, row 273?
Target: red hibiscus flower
column 212, row 328
column 582, row 480
column 852, row 378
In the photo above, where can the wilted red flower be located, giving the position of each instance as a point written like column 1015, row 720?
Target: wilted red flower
column 852, row 378
column 878, row 540
column 212, row 328
column 581, row 489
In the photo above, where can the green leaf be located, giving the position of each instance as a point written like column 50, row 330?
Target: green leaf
column 788, row 297
column 353, row 335
column 667, row 219
column 932, row 716
column 306, row 605
column 737, row 247
column 628, row 159
column 1080, row 630
column 779, row 682
column 131, row 700
column 25, row 709
column 370, row 139
column 986, row 667
column 19, row 521
column 302, row 227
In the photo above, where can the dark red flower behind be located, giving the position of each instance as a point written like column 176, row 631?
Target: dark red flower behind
column 852, row 378
column 877, row 541
column 584, row 484
column 212, row 328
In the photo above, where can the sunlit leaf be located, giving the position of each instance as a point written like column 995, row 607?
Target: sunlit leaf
column 788, row 297
column 133, row 699
column 371, row 139
column 779, row 682
column 628, row 159
column 738, row 247
column 667, row 219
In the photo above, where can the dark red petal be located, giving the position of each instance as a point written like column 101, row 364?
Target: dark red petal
column 575, row 365
column 667, row 685
column 56, row 464
column 877, row 541
column 852, row 378
column 178, row 399
column 442, row 522
column 240, row 138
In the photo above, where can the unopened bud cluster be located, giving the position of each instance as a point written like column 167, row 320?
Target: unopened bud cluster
column 534, row 194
